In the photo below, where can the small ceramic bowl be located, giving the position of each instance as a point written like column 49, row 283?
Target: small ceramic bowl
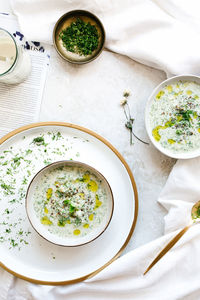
column 178, row 155
column 65, row 22
column 64, row 239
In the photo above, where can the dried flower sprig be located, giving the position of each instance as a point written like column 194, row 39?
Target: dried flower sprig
column 129, row 119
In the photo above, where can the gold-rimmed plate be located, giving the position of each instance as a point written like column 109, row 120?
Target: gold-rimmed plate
column 25, row 254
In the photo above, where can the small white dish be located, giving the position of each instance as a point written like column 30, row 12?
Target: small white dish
column 181, row 155
column 43, row 230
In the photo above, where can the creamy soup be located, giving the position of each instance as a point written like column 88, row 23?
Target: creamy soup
column 70, row 201
column 175, row 116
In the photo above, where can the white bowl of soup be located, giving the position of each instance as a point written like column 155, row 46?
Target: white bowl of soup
column 69, row 203
column 172, row 117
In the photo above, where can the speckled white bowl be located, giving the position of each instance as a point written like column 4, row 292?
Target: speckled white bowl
column 181, row 155
column 43, row 230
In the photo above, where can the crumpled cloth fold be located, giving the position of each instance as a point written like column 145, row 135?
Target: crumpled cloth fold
column 161, row 34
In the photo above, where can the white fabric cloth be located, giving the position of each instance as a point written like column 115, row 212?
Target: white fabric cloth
column 161, row 34
column 165, row 35
column 175, row 276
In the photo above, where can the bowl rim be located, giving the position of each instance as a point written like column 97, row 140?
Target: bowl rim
column 80, row 11
column 81, row 164
column 167, row 152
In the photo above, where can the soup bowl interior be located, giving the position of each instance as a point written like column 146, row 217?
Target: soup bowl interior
column 168, row 152
column 64, row 239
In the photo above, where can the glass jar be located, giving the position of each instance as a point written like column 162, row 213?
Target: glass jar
column 15, row 63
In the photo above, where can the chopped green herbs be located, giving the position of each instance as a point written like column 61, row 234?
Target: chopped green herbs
column 16, row 159
column 13, row 243
column 56, row 136
column 24, row 181
column 39, row 141
column 12, row 201
column 16, row 162
column 9, row 171
column 7, row 211
column 8, row 188
column 71, row 209
column 60, row 195
column 77, row 221
column 65, row 202
column 62, row 221
column 47, row 161
column 29, row 151
column 80, row 37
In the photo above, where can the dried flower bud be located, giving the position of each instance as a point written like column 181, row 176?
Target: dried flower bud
column 126, row 93
column 123, row 102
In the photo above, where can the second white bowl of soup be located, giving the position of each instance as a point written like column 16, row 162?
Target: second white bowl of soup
column 172, row 117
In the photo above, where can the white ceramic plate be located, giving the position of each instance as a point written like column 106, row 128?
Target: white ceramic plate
column 181, row 155
column 22, row 251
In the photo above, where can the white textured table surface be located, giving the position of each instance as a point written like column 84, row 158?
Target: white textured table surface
column 89, row 96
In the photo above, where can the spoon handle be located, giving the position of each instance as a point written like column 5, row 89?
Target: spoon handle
column 168, row 247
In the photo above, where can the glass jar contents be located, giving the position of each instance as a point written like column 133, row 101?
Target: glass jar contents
column 15, row 64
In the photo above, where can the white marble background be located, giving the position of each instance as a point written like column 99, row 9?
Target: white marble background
column 89, row 96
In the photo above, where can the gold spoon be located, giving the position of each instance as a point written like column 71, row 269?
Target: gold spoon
column 195, row 217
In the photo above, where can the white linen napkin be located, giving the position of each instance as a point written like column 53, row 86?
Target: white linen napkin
column 175, row 276
column 161, row 34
